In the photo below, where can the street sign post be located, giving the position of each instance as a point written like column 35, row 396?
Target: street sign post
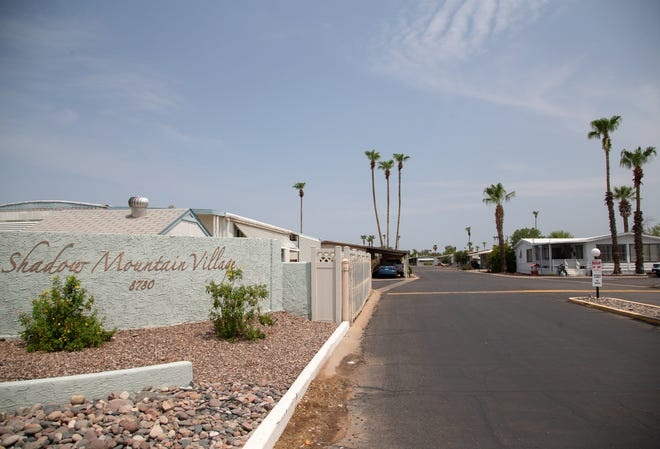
column 597, row 275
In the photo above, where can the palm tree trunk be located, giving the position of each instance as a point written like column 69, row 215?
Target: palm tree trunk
column 609, row 201
column 373, row 193
column 398, row 216
column 499, row 223
column 388, row 212
column 638, row 222
column 639, row 246
column 301, row 212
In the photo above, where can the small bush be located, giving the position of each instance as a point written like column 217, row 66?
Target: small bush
column 236, row 311
column 496, row 263
column 62, row 319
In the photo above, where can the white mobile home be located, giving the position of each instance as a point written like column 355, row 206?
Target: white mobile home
column 547, row 254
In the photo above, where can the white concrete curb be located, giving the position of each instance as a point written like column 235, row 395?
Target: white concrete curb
column 271, row 428
column 93, row 386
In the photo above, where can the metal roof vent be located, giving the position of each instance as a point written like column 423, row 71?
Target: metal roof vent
column 138, row 205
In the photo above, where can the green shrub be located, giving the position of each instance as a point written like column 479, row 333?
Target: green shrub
column 236, row 311
column 62, row 319
column 496, row 263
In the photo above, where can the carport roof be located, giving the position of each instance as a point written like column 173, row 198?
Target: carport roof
column 386, row 252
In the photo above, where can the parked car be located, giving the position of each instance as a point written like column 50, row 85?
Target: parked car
column 398, row 266
column 656, row 269
column 385, row 271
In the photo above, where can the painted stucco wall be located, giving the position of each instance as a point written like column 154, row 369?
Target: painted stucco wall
column 297, row 288
column 136, row 280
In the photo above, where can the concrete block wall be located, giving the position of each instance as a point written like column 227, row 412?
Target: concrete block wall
column 141, row 280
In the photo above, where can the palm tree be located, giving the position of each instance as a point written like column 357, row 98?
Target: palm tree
column 386, row 166
column 623, row 194
column 601, row 129
column 373, row 156
column 363, row 237
column 635, row 160
column 400, row 158
column 560, row 234
column 469, row 233
column 300, row 186
column 496, row 194
column 371, row 239
column 536, row 216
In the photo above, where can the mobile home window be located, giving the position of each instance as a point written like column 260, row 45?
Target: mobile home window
column 651, row 252
column 606, row 253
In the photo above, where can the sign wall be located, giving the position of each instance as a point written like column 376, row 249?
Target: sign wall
column 136, row 280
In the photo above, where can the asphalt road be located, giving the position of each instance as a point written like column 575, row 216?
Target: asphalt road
column 468, row 360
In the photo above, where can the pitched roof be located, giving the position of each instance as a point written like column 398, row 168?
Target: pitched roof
column 50, row 205
column 104, row 221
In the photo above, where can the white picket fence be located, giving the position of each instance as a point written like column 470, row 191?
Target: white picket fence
column 341, row 283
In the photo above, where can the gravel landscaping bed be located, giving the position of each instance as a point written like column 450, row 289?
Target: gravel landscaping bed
column 646, row 310
column 234, row 387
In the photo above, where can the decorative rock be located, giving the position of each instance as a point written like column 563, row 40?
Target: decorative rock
column 41, row 442
column 129, row 425
column 156, row 432
column 137, row 441
column 54, row 415
column 77, row 399
column 10, row 440
column 120, row 406
column 210, row 415
column 32, row 428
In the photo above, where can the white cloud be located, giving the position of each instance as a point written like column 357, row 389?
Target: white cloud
column 118, row 84
column 65, row 116
column 477, row 49
column 38, row 33
column 64, row 55
column 559, row 187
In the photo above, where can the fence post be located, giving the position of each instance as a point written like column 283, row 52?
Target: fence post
column 346, row 312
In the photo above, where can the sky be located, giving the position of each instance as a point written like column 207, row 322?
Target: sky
column 225, row 105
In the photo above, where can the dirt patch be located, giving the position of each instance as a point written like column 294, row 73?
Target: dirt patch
column 321, row 417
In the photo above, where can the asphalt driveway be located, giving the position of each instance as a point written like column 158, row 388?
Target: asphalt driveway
column 465, row 360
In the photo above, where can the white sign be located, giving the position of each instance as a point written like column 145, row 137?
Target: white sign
column 596, row 273
column 596, row 279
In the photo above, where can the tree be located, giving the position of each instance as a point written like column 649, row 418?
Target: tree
column 601, row 129
column 373, row 156
column 524, row 233
column 386, row 166
column 400, row 158
column 495, row 260
column 300, row 186
column 461, row 258
column 653, row 230
column 469, row 233
column 560, row 235
column 635, row 160
column 623, row 194
column 363, row 237
column 371, row 239
column 496, row 194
